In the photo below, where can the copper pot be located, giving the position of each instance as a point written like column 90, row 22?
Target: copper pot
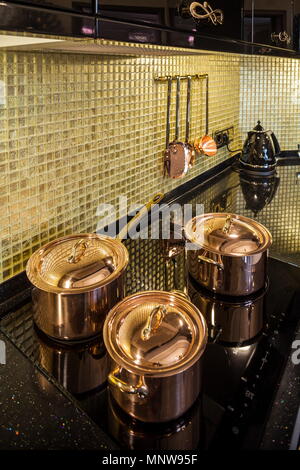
column 79, row 368
column 155, row 340
column 227, row 253
column 77, row 279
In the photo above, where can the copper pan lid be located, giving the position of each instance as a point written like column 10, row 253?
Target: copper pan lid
column 77, row 263
column 155, row 333
column 228, row 234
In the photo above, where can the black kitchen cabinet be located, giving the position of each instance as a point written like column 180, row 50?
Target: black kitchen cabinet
column 17, row 17
column 218, row 25
column 272, row 23
column 80, row 6
column 296, row 25
column 220, row 18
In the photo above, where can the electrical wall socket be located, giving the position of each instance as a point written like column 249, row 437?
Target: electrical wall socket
column 224, row 137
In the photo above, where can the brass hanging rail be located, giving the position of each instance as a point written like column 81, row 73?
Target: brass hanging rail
column 182, row 77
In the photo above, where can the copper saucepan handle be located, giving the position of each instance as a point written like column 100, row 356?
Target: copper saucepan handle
column 140, row 389
column 144, row 210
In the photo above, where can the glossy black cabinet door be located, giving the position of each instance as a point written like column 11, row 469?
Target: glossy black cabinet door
column 269, row 22
column 18, row 18
column 296, row 25
column 80, row 6
column 217, row 17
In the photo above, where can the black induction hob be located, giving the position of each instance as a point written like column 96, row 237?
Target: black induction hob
column 251, row 381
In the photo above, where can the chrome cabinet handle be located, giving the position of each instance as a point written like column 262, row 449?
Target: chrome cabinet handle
column 215, row 16
column 283, row 36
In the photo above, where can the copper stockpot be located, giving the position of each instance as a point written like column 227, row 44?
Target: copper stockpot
column 155, row 340
column 77, row 279
column 227, row 253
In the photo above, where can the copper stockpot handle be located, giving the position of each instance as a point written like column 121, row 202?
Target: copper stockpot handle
column 204, row 259
column 73, row 259
column 140, row 389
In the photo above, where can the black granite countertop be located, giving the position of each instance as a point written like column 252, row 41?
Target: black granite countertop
column 35, row 414
column 38, row 413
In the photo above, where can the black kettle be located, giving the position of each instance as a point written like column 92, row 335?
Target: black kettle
column 259, row 152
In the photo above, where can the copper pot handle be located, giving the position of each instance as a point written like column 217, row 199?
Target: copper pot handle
column 154, row 321
column 204, row 259
column 227, row 226
column 140, row 389
column 73, row 258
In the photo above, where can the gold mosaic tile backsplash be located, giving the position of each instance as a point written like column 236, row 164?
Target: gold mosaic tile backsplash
column 79, row 130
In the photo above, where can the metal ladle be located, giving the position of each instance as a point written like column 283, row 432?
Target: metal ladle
column 190, row 147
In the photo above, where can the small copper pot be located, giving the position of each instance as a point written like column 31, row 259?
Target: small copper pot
column 227, row 253
column 155, row 340
column 77, row 279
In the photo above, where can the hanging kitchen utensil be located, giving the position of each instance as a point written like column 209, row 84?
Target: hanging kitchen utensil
column 206, row 145
column 167, row 150
column 155, row 340
column 178, row 152
column 190, row 147
column 77, row 279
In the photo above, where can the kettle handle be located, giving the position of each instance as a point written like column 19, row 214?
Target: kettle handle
column 276, row 145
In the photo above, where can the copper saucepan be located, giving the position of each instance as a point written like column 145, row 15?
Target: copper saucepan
column 77, row 279
column 155, row 340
